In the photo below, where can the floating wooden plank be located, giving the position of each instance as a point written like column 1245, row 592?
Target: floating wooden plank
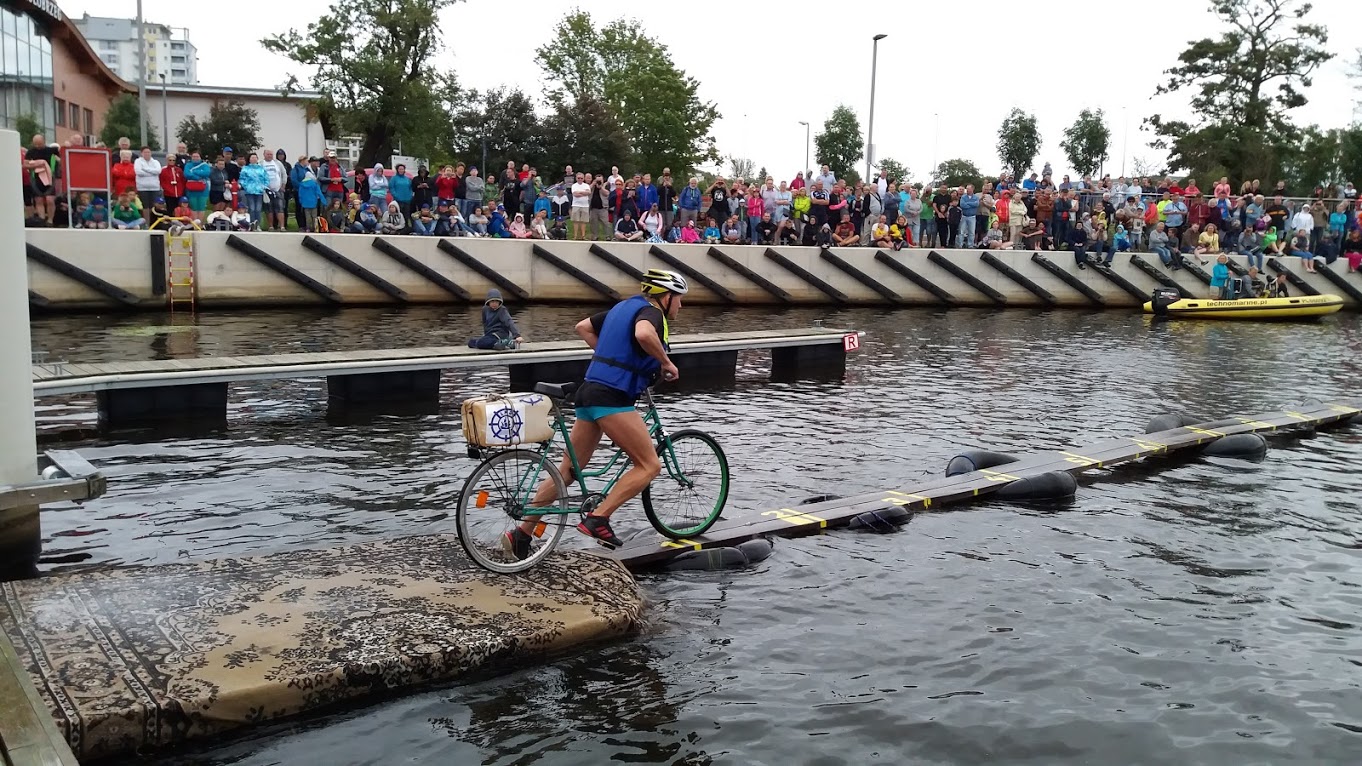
column 966, row 277
column 1158, row 276
column 1083, row 288
column 242, row 245
column 807, row 276
column 1291, row 276
column 1026, row 282
column 693, row 274
column 902, row 269
column 38, row 255
column 614, row 260
column 861, row 276
column 650, row 549
column 732, row 263
column 488, row 273
column 600, row 287
column 430, row 275
column 77, row 378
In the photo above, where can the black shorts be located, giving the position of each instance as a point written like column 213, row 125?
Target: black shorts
column 41, row 189
column 593, row 394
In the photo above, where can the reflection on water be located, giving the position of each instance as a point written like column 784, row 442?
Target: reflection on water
column 1178, row 611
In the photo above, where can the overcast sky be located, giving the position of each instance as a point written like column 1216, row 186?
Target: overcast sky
column 768, row 66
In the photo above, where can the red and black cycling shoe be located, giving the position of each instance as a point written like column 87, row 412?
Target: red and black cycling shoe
column 598, row 527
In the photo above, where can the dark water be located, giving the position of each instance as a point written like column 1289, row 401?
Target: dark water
column 1178, row 612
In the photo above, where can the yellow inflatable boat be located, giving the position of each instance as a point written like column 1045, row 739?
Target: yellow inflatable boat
column 1304, row 308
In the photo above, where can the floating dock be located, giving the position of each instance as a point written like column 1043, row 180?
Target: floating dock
column 133, row 660
column 144, row 393
column 652, row 550
column 127, row 270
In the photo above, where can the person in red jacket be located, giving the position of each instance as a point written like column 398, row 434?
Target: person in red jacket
column 124, row 175
column 172, row 179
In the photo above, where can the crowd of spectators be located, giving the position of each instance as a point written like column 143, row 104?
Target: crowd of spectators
column 1092, row 218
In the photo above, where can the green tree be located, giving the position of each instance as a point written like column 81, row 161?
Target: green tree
column 633, row 74
column 1350, row 154
column 121, row 121
column 585, row 135
column 959, row 172
column 1018, row 142
column 1315, row 160
column 371, row 61
column 229, row 123
column 27, row 126
column 838, row 145
column 505, row 119
column 1244, row 83
column 898, row 172
column 1086, row 142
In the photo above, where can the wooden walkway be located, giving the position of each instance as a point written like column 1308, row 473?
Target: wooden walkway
column 74, row 378
column 812, row 519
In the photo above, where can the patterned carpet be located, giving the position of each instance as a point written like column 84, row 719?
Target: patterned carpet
column 133, row 660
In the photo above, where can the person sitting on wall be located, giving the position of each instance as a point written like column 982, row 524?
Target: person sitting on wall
column 160, row 215
column 221, row 220
column 498, row 328
column 423, row 221
column 95, row 216
column 786, row 234
column 366, row 222
column 846, row 234
column 626, row 228
column 559, row 228
column 125, row 213
column 712, row 232
column 1031, row 234
column 241, row 220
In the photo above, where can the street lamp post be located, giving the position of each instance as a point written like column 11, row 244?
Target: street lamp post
column 870, row 129
column 806, row 146
column 165, row 115
column 1125, row 139
column 141, row 76
column 936, row 138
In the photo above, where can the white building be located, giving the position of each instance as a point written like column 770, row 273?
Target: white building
column 287, row 122
column 169, row 51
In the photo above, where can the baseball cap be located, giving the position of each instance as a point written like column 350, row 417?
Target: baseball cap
column 226, row 149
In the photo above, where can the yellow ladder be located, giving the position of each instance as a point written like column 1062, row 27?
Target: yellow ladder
column 180, row 288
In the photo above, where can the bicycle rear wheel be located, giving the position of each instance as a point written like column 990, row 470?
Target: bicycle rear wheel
column 688, row 496
column 496, row 498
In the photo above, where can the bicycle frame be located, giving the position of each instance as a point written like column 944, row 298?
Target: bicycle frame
column 529, row 482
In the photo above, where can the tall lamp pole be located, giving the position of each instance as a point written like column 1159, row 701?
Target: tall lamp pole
column 870, row 131
column 936, row 138
column 165, row 115
column 806, row 147
column 141, row 76
column 1125, row 139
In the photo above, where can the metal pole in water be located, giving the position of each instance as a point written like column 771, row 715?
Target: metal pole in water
column 20, row 535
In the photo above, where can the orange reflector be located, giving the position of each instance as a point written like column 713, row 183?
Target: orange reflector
column 481, row 502
column 539, row 529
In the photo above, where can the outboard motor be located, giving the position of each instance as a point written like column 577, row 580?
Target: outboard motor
column 1162, row 298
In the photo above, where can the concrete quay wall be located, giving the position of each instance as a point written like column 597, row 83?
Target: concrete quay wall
column 269, row 269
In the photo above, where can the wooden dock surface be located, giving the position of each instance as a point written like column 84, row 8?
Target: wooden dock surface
column 650, row 549
column 69, row 378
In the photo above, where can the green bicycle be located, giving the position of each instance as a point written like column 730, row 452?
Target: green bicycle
column 684, row 500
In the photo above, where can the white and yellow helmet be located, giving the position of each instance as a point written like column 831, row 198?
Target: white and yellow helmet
column 657, row 282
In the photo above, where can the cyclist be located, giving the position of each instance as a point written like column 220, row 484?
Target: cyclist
column 631, row 344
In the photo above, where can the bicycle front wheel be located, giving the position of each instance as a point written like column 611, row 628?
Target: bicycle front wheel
column 688, row 496
column 496, row 498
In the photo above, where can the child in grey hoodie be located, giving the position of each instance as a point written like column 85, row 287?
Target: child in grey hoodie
column 499, row 330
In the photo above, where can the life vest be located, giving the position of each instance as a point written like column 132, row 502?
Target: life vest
column 617, row 363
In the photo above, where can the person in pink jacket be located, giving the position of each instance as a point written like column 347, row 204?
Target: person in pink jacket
column 689, row 235
column 755, row 208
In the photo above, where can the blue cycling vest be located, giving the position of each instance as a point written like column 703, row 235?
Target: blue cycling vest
column 616, row 363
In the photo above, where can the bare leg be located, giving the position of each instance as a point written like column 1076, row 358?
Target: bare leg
column 585, row 436
column 627, row 430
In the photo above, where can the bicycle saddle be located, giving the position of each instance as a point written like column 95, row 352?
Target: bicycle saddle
column 555, row 390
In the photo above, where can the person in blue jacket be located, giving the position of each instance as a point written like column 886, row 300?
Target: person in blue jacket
column 496, row 227
column 309, row 198
column 197, row 175
column 295, row 182
column 253, row 182
column 400, row 187
column 630, row 342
